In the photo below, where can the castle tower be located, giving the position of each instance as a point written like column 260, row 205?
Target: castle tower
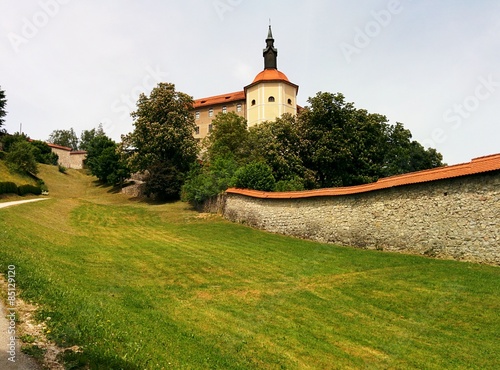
column 271, row 94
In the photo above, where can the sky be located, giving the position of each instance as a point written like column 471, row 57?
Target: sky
column 433, row 65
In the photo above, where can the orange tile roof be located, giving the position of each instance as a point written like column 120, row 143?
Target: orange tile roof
column 59, row 147
column 477, row 165
column 219, row 99
column 270, row 75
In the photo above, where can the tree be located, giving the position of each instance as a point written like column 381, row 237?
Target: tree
column 341, row 143
column 228, row 137
column 3, row 104
column 21, row 158
column 162, row 142
column 208, row 180
column 403, row 155
column 104, row 161
column 65, row 138
column 278, row 144
column 43, row 153
column 255, row 175
column 88, row 135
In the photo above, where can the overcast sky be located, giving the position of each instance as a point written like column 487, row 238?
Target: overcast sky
column 433, row 65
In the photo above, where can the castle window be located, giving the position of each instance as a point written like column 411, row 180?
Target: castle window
column 197, row 115
column 197, row 130
column 238, row 108
column 253, row 102
column 290, row 101
column 271, row 99
column 210, row 128
column 224, row 109
column 210, row 112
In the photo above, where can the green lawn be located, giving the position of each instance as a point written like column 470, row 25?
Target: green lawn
column 145, row 286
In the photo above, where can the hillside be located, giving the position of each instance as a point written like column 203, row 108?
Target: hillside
column 6, row 175
column 141, row 286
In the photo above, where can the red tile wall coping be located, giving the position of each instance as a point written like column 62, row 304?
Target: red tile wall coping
column 477, row 165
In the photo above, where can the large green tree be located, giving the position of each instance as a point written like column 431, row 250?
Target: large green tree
column 162, row 142
column 405, row 155
column 21, row 158
column 278, row 143
column 67, row 138
column 342, row 145
column 88, row 135
column 3, row 104
column 229, row 137
column 105, row 162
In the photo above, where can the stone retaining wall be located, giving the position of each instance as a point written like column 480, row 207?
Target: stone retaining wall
column 455, row 218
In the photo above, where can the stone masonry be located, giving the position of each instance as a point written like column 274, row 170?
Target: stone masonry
column 456, row 218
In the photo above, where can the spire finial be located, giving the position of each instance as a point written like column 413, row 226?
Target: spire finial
column 270, row 52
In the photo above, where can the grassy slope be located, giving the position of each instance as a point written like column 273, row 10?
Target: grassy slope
column 8, row 176
column 157, row 286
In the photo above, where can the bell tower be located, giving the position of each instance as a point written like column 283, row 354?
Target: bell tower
column 271, row 94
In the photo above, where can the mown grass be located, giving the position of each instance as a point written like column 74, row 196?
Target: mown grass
column 144, row 286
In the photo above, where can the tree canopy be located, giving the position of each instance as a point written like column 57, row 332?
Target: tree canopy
column 162, row 143
column 330, row 143
column 67, row 138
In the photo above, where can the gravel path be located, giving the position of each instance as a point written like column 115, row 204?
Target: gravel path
column 8, row 204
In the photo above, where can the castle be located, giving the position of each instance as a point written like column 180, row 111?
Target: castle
column 270, row 95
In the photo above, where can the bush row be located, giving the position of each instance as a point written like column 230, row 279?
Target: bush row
column 11, row 188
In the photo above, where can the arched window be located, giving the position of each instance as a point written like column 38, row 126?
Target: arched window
column 290, row 101
column 271, row 99
column 253, row 102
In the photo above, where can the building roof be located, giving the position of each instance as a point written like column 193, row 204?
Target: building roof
column 55, row 146
column 219, row 99
column 478, row 165
column 270, row 75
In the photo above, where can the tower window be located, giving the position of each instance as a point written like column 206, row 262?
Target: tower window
column 210, row 112
column 290, row 101
column 224, row 109
column 271, row 99
column 253, row 102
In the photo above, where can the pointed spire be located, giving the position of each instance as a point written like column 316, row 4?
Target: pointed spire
column 270, row 52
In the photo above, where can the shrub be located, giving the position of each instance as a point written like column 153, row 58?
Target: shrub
column 62, row 169
column 21, row 158
column 255, row 175
column 29, row 189
column 2, row 155
column 8, row 188
column 295, row 184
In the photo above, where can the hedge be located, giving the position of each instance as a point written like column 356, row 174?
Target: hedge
column 29, row 189
column 8, row 188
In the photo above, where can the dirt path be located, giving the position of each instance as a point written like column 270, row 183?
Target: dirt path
column 15, row 203
column 11, row 357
